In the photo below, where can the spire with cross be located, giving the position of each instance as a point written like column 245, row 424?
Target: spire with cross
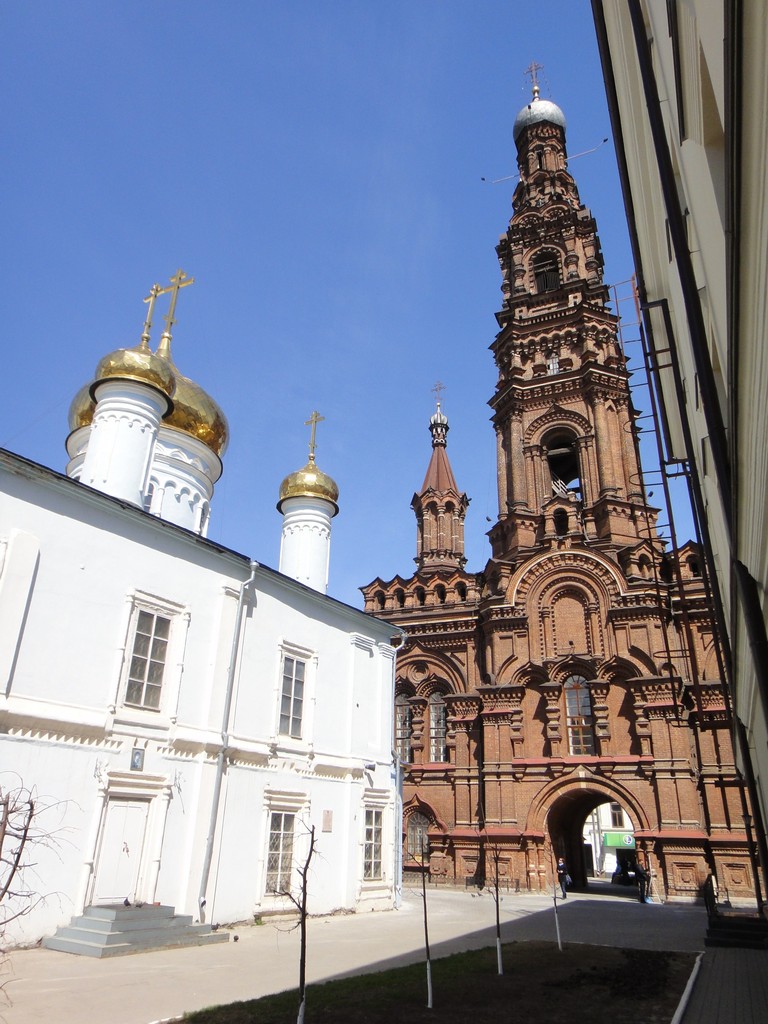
column 178, row 281
column 533, row 70
column 312, row 422
column 154, row 292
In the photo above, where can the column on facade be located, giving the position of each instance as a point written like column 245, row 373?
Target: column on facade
column 418, row 721
column 633, row 483
column 598, row 691
column 553, row 712
column 517, row 461
column 603, row 446
column 501, row 472
column 462, row 712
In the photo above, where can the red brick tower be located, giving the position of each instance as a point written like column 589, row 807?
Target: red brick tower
column 564, row 676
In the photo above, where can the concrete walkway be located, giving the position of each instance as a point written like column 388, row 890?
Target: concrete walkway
column 43, row 985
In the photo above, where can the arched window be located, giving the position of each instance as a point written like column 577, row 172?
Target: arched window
column 694, row 566
column 546, row 271
column 440, row 592
column 378, row 598
column 461, row 591
column 561, row 522
column 400, row 598
column 437, row 728
column 149, row 495
column 578, row 711
column 563, row 461
column 403, row 728
column 416, row 838
column 421, row 596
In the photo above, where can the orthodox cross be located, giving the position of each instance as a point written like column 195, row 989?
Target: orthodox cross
column 533, row 70
column 178, row 281
column 154, row 291
column 438, row 389
column 313, row 420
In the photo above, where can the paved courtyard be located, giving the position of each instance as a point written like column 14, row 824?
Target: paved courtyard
column 43, row 985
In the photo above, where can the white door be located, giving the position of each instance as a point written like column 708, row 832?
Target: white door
column 118, row 872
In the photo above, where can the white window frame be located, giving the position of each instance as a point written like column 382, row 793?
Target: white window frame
column 297, row 805
column 179, row 616
column 375, row 802
column 309, row 658
column 373, row 844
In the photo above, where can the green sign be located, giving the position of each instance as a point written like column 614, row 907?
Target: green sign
column 625, row 840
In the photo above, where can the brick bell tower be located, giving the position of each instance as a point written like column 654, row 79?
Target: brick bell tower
column 564, row 677
column 567, row 460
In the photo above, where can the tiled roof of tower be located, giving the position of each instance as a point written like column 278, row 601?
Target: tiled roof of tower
column 439, row 473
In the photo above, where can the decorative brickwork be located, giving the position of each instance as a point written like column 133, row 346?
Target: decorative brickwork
column 561, row 676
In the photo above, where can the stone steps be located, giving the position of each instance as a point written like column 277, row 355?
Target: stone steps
column 114, row 930
column 738, row 931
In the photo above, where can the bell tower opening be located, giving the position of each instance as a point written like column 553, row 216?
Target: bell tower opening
column 563, row 461
column 546, row 271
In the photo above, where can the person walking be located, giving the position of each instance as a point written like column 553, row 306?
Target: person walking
column 562, row 877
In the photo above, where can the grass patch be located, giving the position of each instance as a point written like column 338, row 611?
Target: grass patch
column 581, row 985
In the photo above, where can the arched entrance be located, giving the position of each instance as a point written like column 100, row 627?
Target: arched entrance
column 593, row 828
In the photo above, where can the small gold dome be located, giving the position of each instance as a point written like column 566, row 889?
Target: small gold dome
column 82, row 408
column 137, row 364
column 309, row 482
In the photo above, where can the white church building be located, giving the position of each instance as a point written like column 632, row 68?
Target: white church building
column 192, row 713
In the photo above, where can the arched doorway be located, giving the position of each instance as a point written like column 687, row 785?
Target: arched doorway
column 594, row 831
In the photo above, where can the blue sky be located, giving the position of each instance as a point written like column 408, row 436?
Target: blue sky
column 317, row 167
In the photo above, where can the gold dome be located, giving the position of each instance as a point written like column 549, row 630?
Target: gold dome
column 309, row 482
column 137, row 364
column 194, row 411
column 82, row 408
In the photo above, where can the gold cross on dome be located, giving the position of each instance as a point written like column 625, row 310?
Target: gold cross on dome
column 178, row 281
column 533, row 70
column 154, row 291
column 313, row 420
column 438, row 389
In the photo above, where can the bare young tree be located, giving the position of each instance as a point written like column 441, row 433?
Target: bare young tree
column 27, row 827
column 426, row 920
column 299, row 900
column 493, row 888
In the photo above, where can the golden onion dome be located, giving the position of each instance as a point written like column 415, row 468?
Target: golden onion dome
column 194, row 411
column 82, row 408
column 309, row 482
column 140, row 364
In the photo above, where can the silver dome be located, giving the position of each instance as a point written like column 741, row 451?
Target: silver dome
column 538, row 110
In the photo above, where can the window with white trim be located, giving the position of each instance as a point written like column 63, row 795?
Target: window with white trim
column 372, row 850
column 403, row 727
column 282, row 826
column 147, row 661
column 292, row 696
column 438, row 750
column 578, row 710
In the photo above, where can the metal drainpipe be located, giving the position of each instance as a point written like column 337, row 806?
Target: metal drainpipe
column 398, row 766
column 222, row 756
